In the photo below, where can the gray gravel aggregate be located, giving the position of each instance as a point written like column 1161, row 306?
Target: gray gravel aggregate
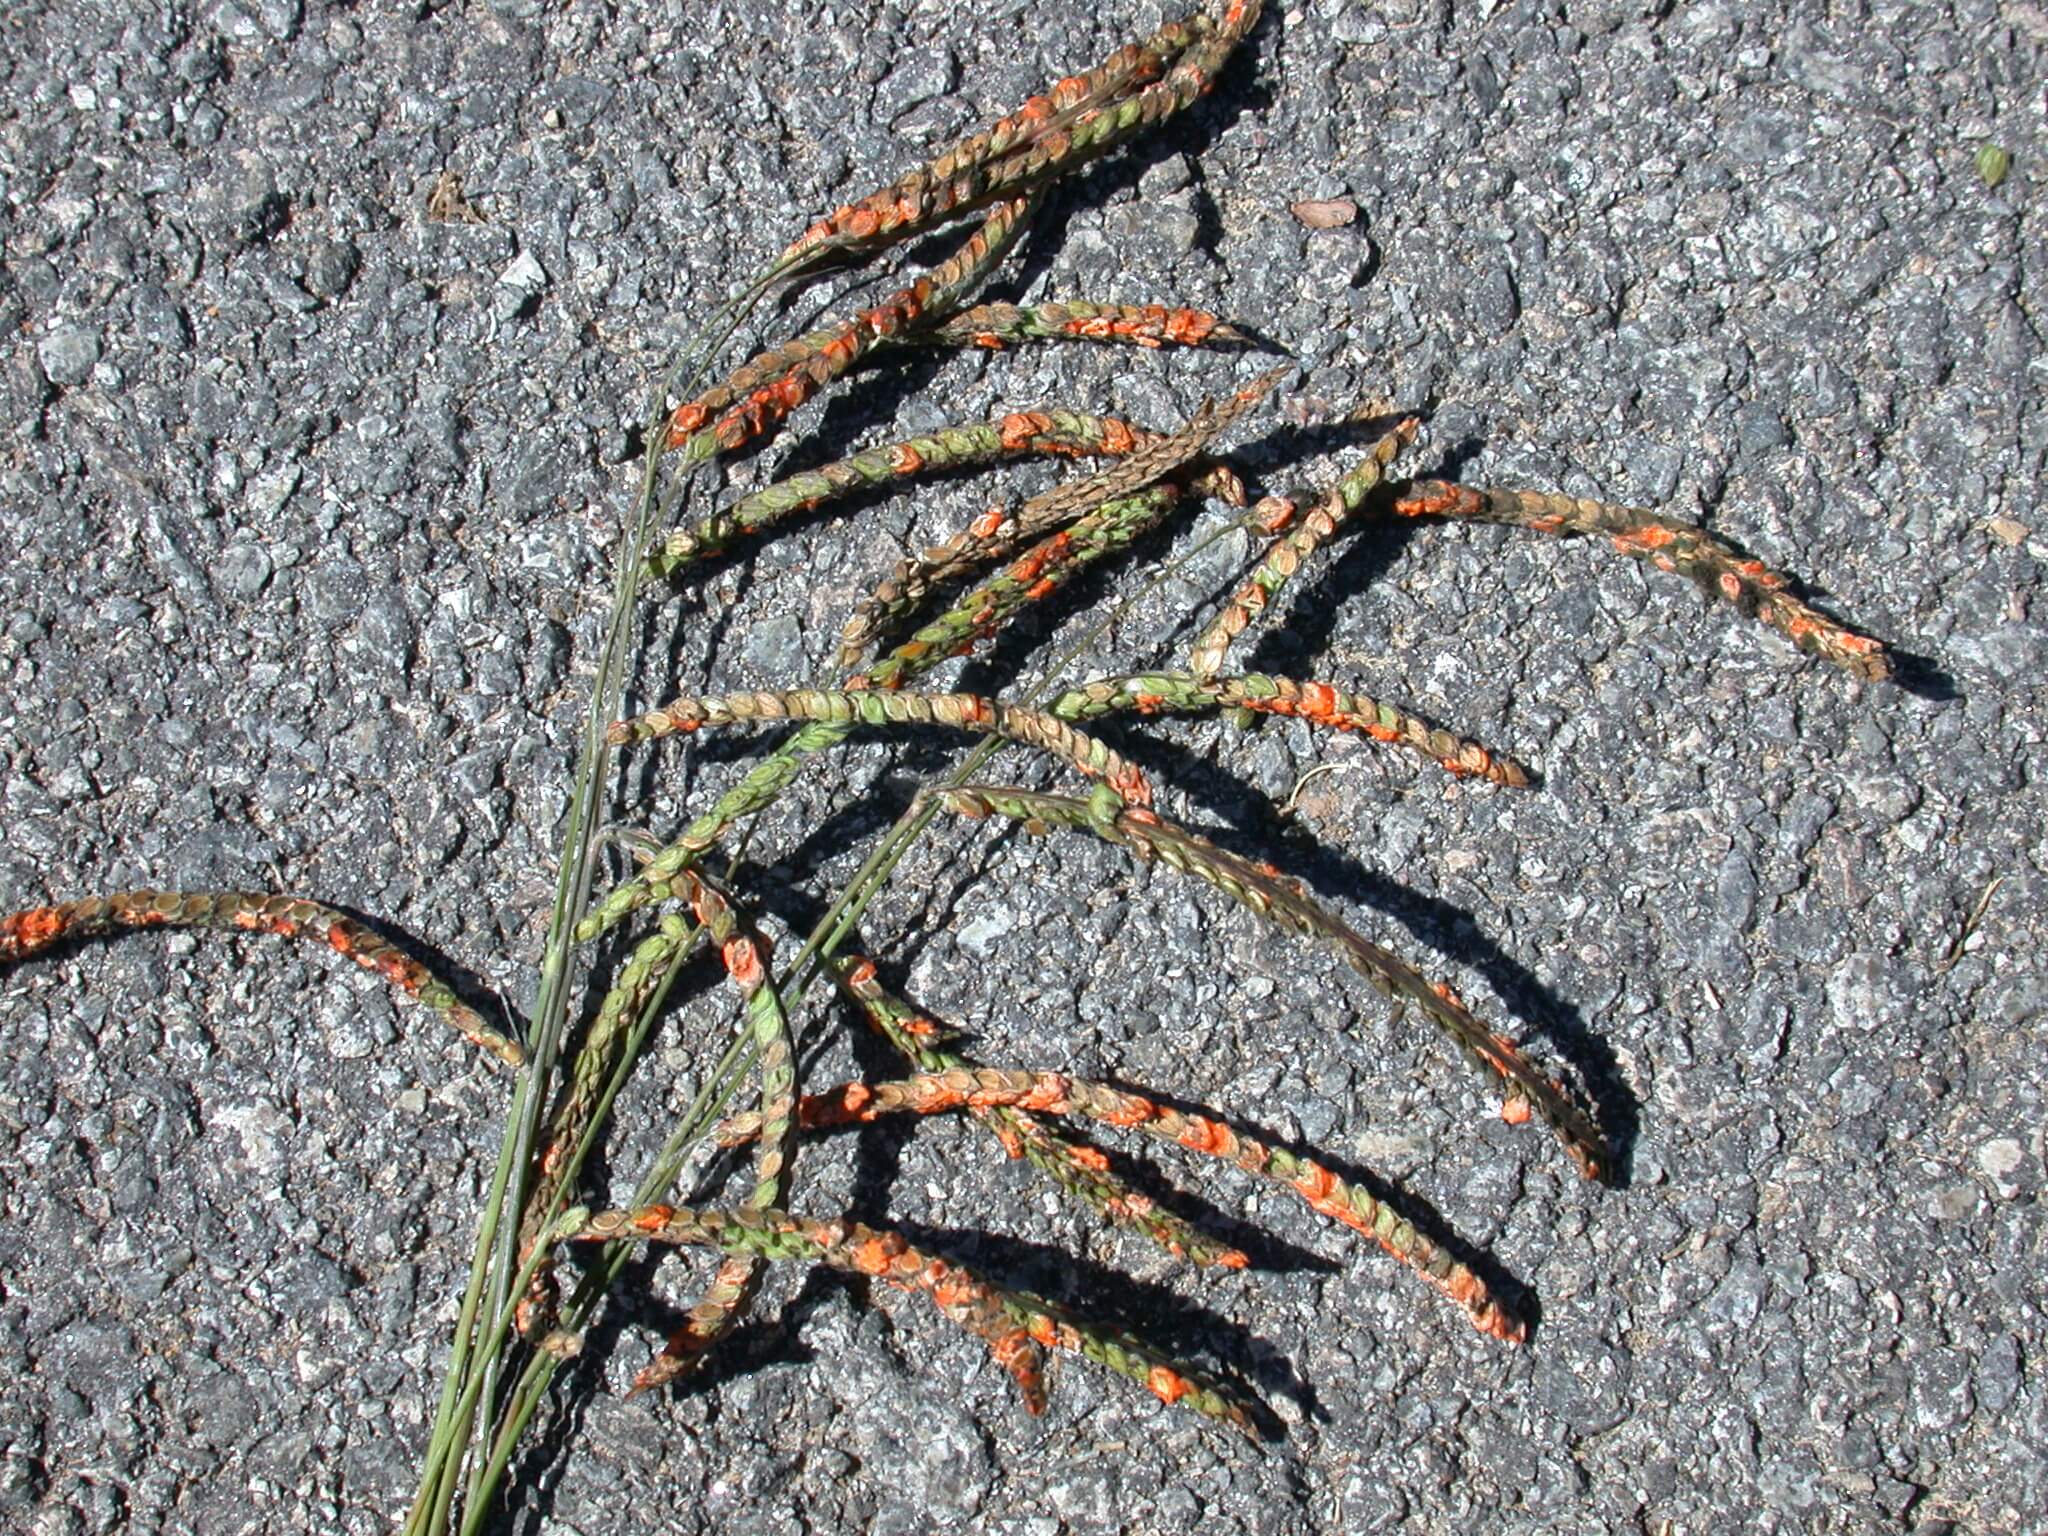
column 307, row 499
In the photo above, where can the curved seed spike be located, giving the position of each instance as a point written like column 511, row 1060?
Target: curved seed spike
column 941, row 189
column 1290, row 548
column 1056, row 149
column 958, row 711
column 961, row 1294
column 1272, row 896
column 952, row 448
column 1052, row 1093
column 1181, row 693
column 1670, row 545
column 995, row 326
column 732, row 1289
column 1078, row 1170
column 756, row 398
column 27, row 933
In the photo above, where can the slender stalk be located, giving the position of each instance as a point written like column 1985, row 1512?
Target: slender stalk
column 444, row 1451
column 527, row 1394
column 489, row 1285
column 968, row 712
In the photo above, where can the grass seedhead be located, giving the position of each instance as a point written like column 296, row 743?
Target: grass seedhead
column 998, row 568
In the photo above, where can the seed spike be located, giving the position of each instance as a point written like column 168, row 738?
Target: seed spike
column 756, row 398
column 957, row 711
column 1151, row 326
column 28, row 933
column 951, row 183
column 970, row 446
column 1052, row 1093
column 962, row 1295
column 1670, row 545
column 1150, row 693
column 1272, row 896
column 1058, row 146
column 576, row 1102
column 1078, row 1170
column 1037, row 573
column 732, row 1289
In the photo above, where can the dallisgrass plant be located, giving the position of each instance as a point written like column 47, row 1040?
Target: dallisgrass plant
column 515, row 1326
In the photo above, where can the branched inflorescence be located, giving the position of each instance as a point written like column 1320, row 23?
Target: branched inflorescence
column 998, row 567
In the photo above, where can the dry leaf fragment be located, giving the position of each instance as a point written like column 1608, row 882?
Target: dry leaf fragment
column 1325, row 213
column 447, row 205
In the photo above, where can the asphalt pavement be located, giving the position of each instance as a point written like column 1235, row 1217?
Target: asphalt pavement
column 328, row 331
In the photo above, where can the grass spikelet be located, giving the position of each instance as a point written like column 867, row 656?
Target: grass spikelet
column 972, row 446
column 956, row 711
column 996, row 326
column 762, row 393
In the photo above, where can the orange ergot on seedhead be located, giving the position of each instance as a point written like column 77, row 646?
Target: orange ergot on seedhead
column 1153, row 693
column 1668, row 545
column 1010, row 1322
column 1290, row 548
column 1052, row 1093
column 760, row 394
column 1079, row 1170
column 25, row 934
column 955, row 181
column 744, row 954
column 948, row 450
column 1151, row 326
